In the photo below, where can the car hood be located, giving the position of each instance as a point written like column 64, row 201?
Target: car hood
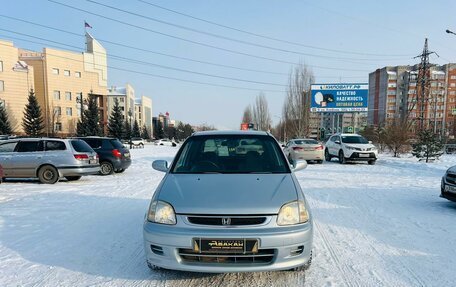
column 228, row 193
column 452, row 169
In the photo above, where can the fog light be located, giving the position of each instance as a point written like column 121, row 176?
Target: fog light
column 297, row 251
column 447, row 188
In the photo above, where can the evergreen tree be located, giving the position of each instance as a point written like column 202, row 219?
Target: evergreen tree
column 159, row 133
column 89, row 124
column 428, row 147
column 145, row 133
column 33, row 122
column 116, row 125
column 127, row 130
column 5, row 126
column 136, row 132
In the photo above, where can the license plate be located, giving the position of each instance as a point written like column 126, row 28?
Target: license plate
column 364, row 155
column 93, row 161
column 242, row 246
column 126, row 154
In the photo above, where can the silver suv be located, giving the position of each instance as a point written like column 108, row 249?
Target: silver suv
column 47, row 159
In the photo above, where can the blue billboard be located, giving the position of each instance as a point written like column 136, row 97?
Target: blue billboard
column 339, row 97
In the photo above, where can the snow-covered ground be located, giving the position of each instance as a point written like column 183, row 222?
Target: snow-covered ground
column 381, row 225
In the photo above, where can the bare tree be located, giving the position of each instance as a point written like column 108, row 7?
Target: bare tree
column 247, row 117
column 396, row 136
column 296, row 109
column 261, row 115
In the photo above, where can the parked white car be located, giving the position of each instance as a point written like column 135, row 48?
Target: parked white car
column 137, row 142
column 350, row 147
column 304, row 149
column 166, row 142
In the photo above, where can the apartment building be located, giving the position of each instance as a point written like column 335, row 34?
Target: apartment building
column 126, row 98
column 393, row 93
column 143, row 113
column 16, row 80
column 64, row 80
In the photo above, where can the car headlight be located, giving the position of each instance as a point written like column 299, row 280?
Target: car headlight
column 292, row 213
column 161, row 212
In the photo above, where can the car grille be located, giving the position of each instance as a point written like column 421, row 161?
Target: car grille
column 451, row 178
column 226, row 220
column 263, row 257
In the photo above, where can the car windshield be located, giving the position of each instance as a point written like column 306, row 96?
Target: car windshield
column 230, row 154
column 354, row 140
column 306, row 142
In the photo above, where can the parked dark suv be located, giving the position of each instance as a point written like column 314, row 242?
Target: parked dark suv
column 114, row 156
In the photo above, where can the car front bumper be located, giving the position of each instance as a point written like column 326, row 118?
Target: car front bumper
column 171, row 242
column 448, row 190
column 361, row 156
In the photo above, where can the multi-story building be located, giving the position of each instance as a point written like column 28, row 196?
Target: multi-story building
column 126, row 98
column 394, row 93
column 64, row 79
column 16, row 80
column 143, row 113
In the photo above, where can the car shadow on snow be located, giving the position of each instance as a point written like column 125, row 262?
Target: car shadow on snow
column 95, row 235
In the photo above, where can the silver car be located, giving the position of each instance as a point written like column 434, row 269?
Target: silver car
column 47, row 159
column 220, row 209
column 304, row 149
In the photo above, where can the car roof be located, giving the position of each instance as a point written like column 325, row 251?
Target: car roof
column 344, row 135
column 230, row 132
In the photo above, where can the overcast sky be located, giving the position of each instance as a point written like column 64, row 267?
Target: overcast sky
column 348, row 38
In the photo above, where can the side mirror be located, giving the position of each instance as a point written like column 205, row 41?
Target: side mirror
column 160, row 165
column 370, row 142
column 299, row 165
column 337, row 142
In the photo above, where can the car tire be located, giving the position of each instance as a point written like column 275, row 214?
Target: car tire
column 119, row 170
column 141, row 145
column 73, row 178
column 106, row 168
column 319, row 161
column 48, row 174
column 152, row 266
column 342, row 159
column 371, row 162
column 327, row 155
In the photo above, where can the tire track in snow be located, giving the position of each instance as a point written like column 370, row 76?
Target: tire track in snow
column 346, row 271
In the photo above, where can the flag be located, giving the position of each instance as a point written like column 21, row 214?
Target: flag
column 86, row 25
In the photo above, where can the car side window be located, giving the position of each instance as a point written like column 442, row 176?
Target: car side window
column 29, row 146
column 8, row 147
column 55, row 145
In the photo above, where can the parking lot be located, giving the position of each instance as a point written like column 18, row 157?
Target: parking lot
column 381, row 225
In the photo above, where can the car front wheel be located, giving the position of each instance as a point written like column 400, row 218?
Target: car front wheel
column 48, row 174
column 106, row 168
column 342, row 157
column 371, row 162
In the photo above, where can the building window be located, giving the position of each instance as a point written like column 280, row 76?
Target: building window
column 2, row 86
column 58, row 127
column 1, row 66
column 55, row 71
column 77, row 74
column 69, row 112
column 122, row 100
column 66, row 73
column 453, row 77
column 57, row 111
column 56, row 95
column 68, row 96
column 452, row 85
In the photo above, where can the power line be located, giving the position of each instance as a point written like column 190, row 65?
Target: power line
column 153, row 64
column 231, row 39
column 179, row 38
column 160, row 76
column 269, row 37
column 174, row 56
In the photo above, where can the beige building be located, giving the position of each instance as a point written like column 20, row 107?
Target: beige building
column 16, row 79
column 126, row 97
column 62, row 78
column 143, row 113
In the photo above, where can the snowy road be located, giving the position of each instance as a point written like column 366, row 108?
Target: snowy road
column 381, row 225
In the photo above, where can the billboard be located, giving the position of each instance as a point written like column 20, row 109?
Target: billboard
column 339, row 97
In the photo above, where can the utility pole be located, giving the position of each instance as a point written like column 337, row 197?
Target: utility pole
column 423, row 83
